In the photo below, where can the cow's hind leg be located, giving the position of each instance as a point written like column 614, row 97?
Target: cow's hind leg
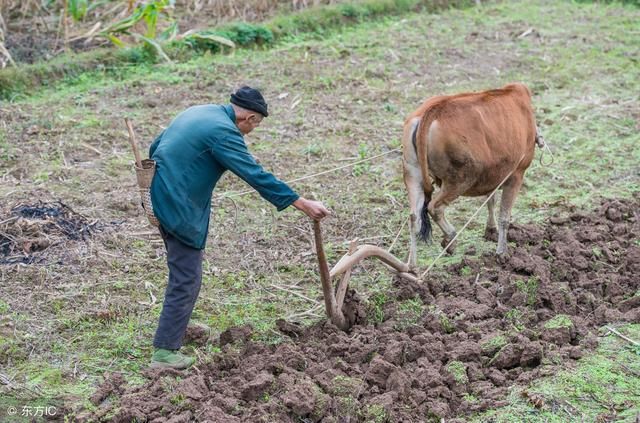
column 441, row 200
column 413, row 183
column 490, row 231
column 509, row 193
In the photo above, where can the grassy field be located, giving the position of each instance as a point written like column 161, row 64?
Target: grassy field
column 92, row 306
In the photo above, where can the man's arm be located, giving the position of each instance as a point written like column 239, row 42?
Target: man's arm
column 233, row 154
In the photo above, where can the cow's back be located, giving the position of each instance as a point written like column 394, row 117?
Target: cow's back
column 476, row 139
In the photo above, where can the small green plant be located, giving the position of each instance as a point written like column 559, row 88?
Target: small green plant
column 391, row 108
column 470, row 398
column 558, row 322
column 374, row 413
column 494, row 344
column 346, row 406
column 312, row 150
column 446, row 323
column 77, row 9
column 530, row 288
column 4, row 308
column 597, row 252
column 375, row 307
column 7, row 152
column 361, row 168
column 409, row 312
column 344, row 386
column 458, row 370
column 177, row 399
column 516, row 318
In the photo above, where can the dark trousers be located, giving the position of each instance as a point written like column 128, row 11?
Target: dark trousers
column 185, row 278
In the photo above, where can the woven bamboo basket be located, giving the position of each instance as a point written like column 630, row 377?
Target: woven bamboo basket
column 144, row 175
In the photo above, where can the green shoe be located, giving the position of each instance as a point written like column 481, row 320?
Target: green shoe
column 170, row 359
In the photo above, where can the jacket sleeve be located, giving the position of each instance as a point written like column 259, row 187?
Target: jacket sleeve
column 232, row 154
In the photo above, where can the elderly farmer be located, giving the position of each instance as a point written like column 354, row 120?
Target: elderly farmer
column 191, row 155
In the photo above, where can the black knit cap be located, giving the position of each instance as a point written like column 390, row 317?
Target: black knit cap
column 250, row 99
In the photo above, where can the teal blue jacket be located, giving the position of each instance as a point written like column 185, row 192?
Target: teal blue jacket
column 191, row 155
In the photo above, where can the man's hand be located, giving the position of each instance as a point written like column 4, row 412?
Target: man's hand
column 314, row 209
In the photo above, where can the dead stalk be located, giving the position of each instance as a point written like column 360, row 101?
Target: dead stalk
column 618, row 334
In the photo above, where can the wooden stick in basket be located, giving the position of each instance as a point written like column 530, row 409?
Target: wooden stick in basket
column 132, row 141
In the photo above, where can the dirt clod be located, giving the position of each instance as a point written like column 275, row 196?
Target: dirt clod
column 234, row 334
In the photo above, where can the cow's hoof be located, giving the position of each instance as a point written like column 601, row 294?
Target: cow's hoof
column 491, row 234
column 451, row 249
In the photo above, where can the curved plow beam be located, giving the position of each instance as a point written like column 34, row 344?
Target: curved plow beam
column 364, row 251
column 333, row 300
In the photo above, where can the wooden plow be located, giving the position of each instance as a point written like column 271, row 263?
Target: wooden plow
column 334, row 299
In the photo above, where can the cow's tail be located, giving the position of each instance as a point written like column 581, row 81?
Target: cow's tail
column 420, row 135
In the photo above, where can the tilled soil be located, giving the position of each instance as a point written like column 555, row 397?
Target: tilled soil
column 488, row 324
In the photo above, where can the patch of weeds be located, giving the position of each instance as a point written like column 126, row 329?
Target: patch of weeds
column 11, row 350
column 446, row 323
column 241, row 309
column 346, row 406
column 529, row 288
column 494, row 344
column 4, row 307
column 559, row 321
column 7, row 151
column 321, row 401
column 312, row 150
column 470, row 398
column 362, row 168
column 344, row 386
column 374, row 413
column 516, row 318
column 466, row 271
column 390, row 108
column 458, row 370
column 178, row 399
column 375, row 312
column 409, row 312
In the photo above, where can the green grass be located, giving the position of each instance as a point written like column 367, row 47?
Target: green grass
column 458, row 370
column 529, row 288
column 558, row 322
column 494, row 344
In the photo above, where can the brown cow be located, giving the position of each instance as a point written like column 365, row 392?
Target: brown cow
column 467, row 144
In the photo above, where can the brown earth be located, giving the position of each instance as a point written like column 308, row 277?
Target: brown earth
column 488, row 324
